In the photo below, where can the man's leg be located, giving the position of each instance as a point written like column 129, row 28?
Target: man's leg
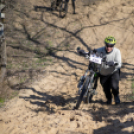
column 105, row 82
column 73, row 5
column 57, row 3
column 115, row 86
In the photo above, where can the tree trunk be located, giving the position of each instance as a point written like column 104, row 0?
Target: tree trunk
column 3, row 56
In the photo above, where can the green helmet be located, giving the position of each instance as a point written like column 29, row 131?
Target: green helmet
column 110, row 40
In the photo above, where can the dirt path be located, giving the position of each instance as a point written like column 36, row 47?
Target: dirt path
column 45, row 106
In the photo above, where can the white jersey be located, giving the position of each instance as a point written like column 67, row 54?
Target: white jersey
column 114, row 56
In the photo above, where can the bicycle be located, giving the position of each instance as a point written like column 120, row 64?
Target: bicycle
column 88, row 84
column 61, row 6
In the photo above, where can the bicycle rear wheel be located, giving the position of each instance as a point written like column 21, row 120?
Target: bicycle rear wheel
column 84, row 89
column 63, row 8
column 53, row 5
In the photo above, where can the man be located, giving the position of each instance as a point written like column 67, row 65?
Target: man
column 110, row 75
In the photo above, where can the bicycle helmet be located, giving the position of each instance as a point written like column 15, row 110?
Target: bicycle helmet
column 110, row 40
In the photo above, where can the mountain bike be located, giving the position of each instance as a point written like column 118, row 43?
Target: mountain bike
column 61, row 6
column 88, row 83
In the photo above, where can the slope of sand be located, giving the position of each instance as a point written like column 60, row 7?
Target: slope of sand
column 45, row 106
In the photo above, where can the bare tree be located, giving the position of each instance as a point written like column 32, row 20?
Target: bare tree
column 3, row 57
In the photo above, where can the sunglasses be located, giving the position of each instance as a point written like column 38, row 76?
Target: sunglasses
column 109, row 45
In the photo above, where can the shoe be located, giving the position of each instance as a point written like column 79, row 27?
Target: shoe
column 117, row 99
column 109, row 102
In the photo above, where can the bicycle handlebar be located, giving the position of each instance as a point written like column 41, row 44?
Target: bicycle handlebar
column 87, row 55
column 82, row 52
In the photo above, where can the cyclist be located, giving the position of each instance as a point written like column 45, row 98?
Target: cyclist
column 73, row 4
column 110, row 74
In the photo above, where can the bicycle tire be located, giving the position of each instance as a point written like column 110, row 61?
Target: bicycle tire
column 89, row 94
column 84, row 89
column 89, row 97
column 53, row 5
column 63, row 8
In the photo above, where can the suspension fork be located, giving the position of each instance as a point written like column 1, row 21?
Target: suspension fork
column 95, row 81
column 92, row 75
column 91, row 78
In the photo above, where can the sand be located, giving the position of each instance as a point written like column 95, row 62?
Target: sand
column 45, row 106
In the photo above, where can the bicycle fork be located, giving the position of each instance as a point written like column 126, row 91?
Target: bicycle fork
column 91, row 82
column 92, row 87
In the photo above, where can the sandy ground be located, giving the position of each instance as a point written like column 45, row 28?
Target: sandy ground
column 45, row 106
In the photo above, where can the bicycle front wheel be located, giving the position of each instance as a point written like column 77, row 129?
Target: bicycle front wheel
column 63, row 8
column 89, row 97
column 84, row 89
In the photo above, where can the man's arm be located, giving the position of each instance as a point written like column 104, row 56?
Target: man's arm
column 118, row 59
